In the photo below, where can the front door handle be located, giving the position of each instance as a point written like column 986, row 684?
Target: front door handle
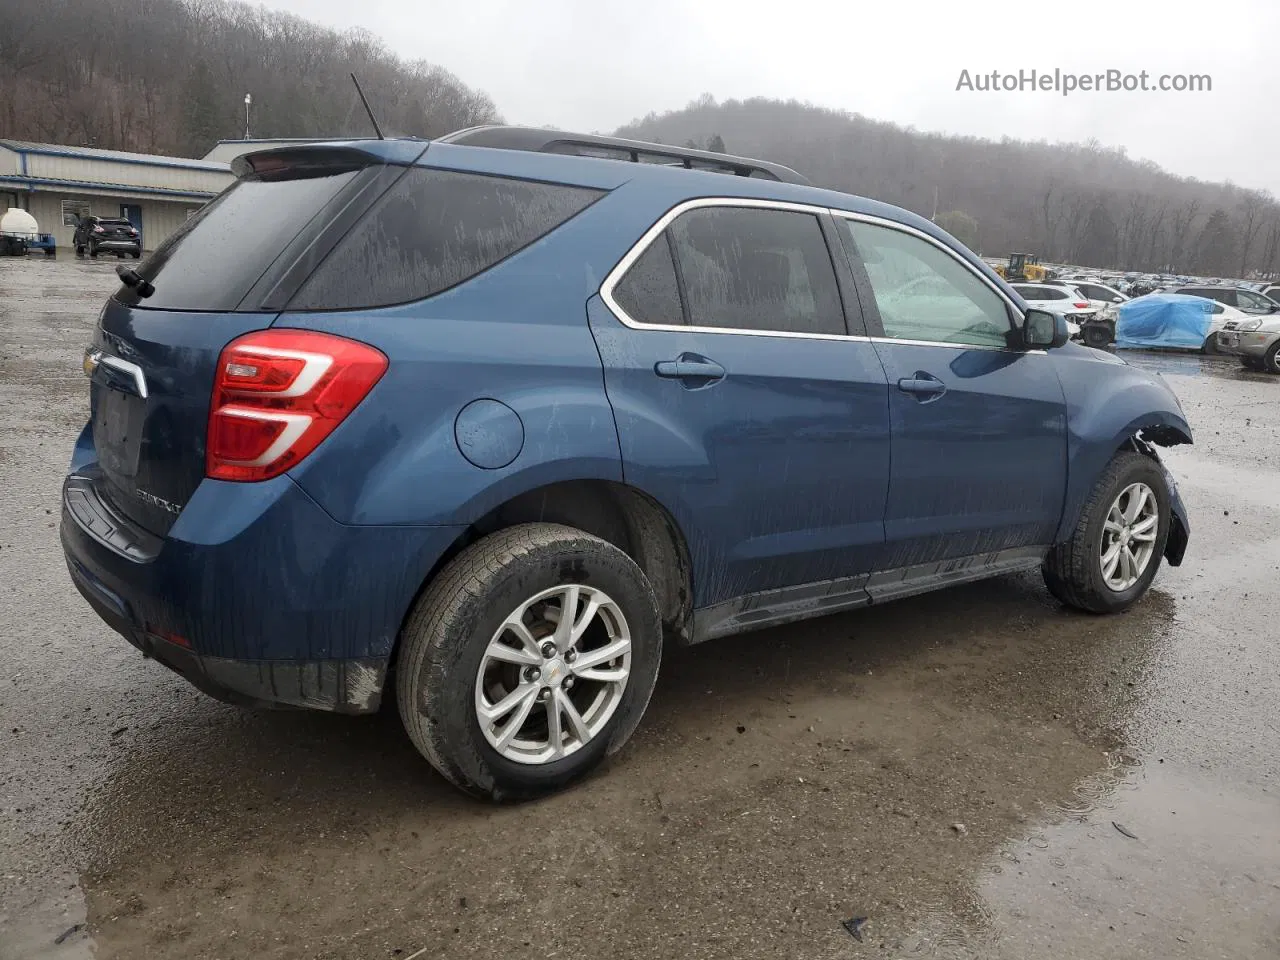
column 689, row 367
column 923, row 386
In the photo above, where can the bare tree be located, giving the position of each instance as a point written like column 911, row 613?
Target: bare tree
column 188, row 65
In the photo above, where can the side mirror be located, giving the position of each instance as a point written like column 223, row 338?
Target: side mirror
column 1117, row 299
column 1042, row 330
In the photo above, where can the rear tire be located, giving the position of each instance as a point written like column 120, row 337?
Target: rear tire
column 1096, row 335
column 1076, row 572
column 136, row 254
column 93, row 251
column 450, row 685
column 1271, row 362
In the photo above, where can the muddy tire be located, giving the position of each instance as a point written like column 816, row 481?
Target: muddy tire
column 1271, row 362
column 487, row 647
column 1112, row 556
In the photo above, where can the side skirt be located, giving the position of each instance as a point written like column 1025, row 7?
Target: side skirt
column 769, row 608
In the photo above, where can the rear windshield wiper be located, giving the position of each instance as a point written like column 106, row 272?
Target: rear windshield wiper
column 129, row 277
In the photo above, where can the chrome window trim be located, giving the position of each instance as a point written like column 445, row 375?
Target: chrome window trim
column 615, row 275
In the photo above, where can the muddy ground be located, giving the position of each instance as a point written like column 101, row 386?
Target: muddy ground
column 979, row 772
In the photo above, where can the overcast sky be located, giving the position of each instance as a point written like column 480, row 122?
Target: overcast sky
column 593, row 65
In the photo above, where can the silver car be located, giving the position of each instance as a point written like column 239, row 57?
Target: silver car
column 1256, row 341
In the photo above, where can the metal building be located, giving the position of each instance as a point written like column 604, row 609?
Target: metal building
column 58, row 184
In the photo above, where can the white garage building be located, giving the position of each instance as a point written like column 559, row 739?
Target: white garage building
column 59, row 184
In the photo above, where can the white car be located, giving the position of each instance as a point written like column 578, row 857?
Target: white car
column 1101, row 293
column 1058, row 298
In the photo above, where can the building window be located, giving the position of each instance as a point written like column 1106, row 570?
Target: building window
column 73, row 211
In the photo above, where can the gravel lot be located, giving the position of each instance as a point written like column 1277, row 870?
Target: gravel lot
column 979, row 772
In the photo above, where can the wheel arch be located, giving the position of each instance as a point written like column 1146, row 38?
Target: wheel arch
column 617, row 513
column 1138, row 419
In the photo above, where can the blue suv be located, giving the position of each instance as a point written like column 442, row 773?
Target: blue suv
column 487, row 420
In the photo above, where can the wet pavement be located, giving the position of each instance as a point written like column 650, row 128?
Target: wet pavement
column 979, row 772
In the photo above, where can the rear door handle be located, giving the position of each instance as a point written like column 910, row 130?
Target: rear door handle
column 689, row 367
column 923, row 386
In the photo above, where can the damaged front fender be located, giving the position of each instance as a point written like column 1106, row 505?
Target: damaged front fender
column 1111, row 406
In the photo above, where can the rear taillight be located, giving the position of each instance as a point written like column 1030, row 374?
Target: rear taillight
column 1081, row 306
column 98, row 230
column 278, row 393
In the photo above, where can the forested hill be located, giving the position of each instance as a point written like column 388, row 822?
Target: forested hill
column 170, row 76
column 1079, row 203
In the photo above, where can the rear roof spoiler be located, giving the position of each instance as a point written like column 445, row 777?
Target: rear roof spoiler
column 616, row 148
column 334, row 154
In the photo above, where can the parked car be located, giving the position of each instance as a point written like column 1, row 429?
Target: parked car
column 1099, row 292
column 1256, row 341
column 482, row 429
column 116, row 235
column 1238, row 298
column 1060, row 299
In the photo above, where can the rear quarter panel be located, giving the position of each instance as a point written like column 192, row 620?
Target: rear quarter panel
column 517, row 334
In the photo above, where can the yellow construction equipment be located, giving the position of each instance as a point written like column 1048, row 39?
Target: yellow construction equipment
column 1023, row 267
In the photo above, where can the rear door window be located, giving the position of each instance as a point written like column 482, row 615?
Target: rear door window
column 757, row 269
column 213, row 259
column 431, row 231
column 649, row 292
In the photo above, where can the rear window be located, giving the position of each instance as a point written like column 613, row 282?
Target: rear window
column 213, row 259
column 433, row 230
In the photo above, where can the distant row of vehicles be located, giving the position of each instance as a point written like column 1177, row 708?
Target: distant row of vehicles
column 1243, row 319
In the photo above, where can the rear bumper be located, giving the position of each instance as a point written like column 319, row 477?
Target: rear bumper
column 341, row 686
column 256, row 595
column 126, row 246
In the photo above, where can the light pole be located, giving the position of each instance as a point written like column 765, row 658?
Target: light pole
column 248, row 99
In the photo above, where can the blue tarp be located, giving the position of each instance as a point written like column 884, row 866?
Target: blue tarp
column 1164, row 320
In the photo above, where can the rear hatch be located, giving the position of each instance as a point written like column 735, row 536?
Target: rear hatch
column 115, row 230
column 226, row 272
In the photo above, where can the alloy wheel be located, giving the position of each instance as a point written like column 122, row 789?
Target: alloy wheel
column 553, row 674
column 1129, row 537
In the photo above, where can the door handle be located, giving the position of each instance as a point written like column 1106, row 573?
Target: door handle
column 689, row 367
column 923, row 386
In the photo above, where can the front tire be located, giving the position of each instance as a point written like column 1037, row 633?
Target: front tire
column 503, row 694
column 1112, row 556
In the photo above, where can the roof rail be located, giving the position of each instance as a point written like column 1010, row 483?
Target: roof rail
column 616, row 148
